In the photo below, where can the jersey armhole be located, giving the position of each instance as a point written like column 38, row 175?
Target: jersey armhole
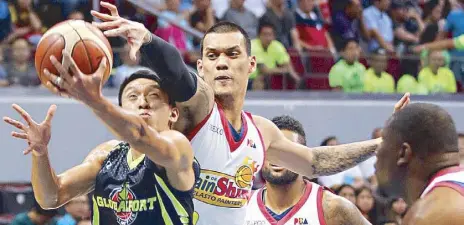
column 197, row 128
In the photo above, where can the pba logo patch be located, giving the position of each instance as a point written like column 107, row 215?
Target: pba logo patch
column 300, row 221
column 124, row 195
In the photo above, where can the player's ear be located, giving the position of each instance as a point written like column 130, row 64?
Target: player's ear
column 404, row 155
column 200, row 67
column 174, row 115
column 252, row 67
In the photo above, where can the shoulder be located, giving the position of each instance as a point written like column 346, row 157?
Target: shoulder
column 277, row 46
column 101, row 151
column 268, row 129
column 338, row 210
column 360, row 66
column 175, row 136
column 446, row 71
column 442, row 206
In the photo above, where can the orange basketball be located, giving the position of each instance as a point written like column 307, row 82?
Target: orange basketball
column 243, row 176
column 86, row 44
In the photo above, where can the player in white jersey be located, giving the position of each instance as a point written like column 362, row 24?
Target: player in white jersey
column 229, row 144
column 289, row 199
column 419, row 160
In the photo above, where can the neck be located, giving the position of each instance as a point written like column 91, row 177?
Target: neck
column 377, row 5
column 378, row 73
column 281, row 197
column 419, row 178
column 236, row 6
column 232, row 109
column 434, row 70
column 277, row 8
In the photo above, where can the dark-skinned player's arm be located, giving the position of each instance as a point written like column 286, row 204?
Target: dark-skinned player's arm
column 169, row 149
column 442, row 206
column 195, row 99
column 318, row 161
column 339, row 211
column 50, row 189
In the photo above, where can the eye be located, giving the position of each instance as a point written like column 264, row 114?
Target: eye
column 233, row 53
column 211, row 55
column 132, row 96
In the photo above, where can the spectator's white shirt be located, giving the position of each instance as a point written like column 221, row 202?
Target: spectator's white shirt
column 345, row 177
column 257, row 7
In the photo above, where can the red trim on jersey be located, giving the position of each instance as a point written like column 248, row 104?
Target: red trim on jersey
column 197, row 128
column 225, row 125
column 262, row 143
column 320, row 209
column 293, row 211
column 445, row 171
column 449, row 184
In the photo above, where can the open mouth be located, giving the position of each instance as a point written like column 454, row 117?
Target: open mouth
column 223, row 78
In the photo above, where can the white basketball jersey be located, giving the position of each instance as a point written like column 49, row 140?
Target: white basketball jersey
column 452, row 177
column 307, row 211
column 227, row 168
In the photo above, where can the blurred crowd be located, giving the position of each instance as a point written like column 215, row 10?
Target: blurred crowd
column 338, row 45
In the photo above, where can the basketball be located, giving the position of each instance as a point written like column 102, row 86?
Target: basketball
column 86, row 44
column 243, row 176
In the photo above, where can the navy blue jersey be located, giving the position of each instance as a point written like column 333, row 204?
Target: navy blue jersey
column 137, row 193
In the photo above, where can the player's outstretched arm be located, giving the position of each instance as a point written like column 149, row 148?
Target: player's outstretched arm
column 52, row 190
column 194, row 97
column 318, row 161
column 339, row 211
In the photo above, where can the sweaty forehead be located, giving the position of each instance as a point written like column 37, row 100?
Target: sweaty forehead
column 142, row 84
column 223, row 40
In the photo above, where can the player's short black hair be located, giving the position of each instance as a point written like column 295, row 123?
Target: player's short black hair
column 227, row 27
column 148, row 74
column 426, row 127
column 289, row 123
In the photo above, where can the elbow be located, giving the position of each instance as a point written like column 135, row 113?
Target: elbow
column 48, row 202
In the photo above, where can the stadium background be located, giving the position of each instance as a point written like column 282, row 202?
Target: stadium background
column 323, row 110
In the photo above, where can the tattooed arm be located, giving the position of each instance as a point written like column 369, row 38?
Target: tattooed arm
column 339, row 211
column 312, row 162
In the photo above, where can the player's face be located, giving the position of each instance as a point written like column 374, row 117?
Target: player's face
column 275, row 174
column 144, row 97
column 225, row 64
column 387, row 170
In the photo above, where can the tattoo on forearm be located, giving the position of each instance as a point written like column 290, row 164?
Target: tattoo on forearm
column 334, row 159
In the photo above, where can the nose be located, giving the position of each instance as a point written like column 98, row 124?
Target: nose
column 143, row 104
column 222, row 63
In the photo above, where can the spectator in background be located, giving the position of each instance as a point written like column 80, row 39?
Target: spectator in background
column 84, row 222
column 347, row 191
column 5, row 20
column 35, row 216
column 271, row 57
column 313, row 35
column 454, row 24
column 348, row 23
column 409, row 83
column 401, row 17
column 21, row 71
column 436, row 77
column 3, row 75
column 26, row 23
column 329, row 141
column 238, row 14
column 461, row 147
column 377, row 19
column 432, row 15
column 128, row 67
column 202, row 18
column 284, row 22
column 76, row 210
column 396, row 209
column 377, row 80
column 76, row 15
column 348, row 73
column 366, row 204
column 171, row 33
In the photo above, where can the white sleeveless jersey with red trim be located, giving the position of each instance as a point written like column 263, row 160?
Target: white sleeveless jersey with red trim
column 308, row 210
column 227, row 168
column 452, row 177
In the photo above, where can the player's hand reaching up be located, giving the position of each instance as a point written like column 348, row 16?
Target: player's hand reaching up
column 71, row 82
column 403, row 102
column 37, row 134
column 113, row 25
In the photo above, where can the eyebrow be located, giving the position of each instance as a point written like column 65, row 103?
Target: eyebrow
column 227, row 49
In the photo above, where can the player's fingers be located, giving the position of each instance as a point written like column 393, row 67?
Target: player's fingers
column 19, row 135
column 23, row 113
column 133, row 51
column 102, row 66
column 13, row 122
column 55, row 89
column 50, row 113
column 108, row 25
column 117, row 32
column 111, row 7
column 27, row 151
column 62, row 68
column 57, row 82
column 102, row 16
column 76, row 73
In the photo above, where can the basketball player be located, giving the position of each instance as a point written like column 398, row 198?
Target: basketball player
column 288, row 198
column 145, row 179
column 419, row 159
column 229, row 144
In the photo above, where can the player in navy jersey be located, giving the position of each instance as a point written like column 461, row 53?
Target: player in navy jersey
column 419, row 160
column 147, row 178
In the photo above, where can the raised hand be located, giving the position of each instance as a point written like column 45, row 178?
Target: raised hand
column 135, row 33
column 73, row 83
column 37, row 134
column 403, row 102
